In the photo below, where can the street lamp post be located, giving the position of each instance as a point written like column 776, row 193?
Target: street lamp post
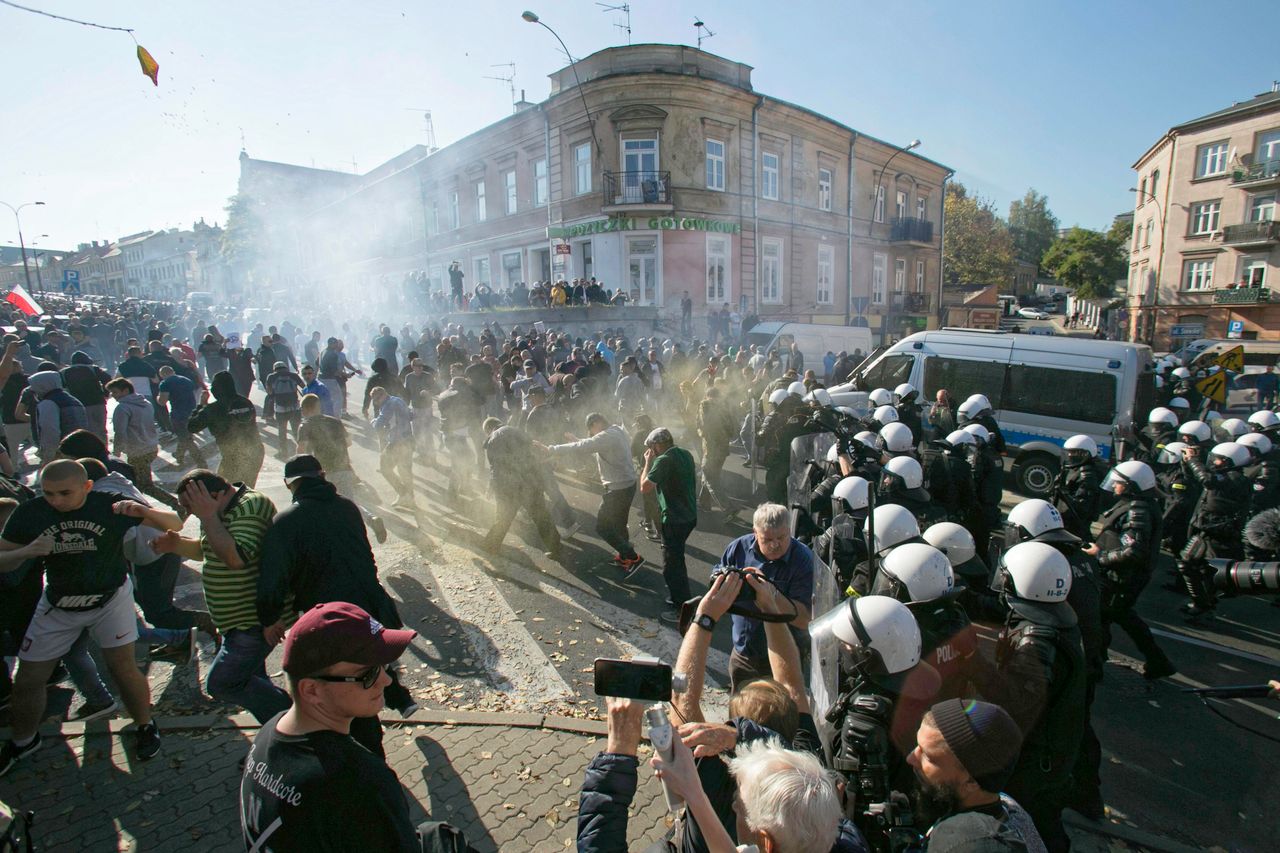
column 35, row 257
column 21, row 243
column 1155, row 302
column 875, row 203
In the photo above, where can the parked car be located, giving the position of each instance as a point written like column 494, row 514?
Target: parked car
column 1032, row 314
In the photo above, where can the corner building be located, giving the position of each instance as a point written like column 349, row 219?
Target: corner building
column 684, row 179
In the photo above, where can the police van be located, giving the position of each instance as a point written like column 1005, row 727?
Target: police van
column 1043, row 390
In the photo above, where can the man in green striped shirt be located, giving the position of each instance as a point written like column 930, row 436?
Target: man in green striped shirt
column 233, row 521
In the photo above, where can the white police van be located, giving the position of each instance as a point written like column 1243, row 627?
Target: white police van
column 1043, row 389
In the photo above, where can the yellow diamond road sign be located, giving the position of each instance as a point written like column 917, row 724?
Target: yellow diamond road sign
column 1232, row 359
column 1214, row 387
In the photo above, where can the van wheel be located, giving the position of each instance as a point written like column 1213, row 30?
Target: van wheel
column 1035, row 475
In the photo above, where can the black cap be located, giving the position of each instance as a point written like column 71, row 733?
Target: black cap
column 303, row 465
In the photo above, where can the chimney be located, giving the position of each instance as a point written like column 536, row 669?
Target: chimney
column 95, row 244
column 522, row 104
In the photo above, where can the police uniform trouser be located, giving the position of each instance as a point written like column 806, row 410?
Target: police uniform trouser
column 775, row 483
column 1043, row 794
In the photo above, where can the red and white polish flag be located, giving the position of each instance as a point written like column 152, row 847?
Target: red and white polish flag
column 23, row 301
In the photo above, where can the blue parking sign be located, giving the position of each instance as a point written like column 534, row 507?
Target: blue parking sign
column 71, row 281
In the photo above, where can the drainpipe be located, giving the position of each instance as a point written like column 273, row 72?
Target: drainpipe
column 942, row 236
column 848, row 296
column 755, row 194
column 551, row 243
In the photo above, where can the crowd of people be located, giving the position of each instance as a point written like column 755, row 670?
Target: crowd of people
column 896, row 508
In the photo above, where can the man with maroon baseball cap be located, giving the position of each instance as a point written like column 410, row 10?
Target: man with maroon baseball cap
column 307, row 784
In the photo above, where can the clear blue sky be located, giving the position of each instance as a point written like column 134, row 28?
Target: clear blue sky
column 1061, row 98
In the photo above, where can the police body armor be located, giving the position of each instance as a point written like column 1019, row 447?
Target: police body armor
column 1216, row 523
column 1264, row 479
column 1182, row 494
column 948, row 643
column 843, row 546
column 1128, row 549
column 1151, row 439
column 1076, row 494
column 865, row 756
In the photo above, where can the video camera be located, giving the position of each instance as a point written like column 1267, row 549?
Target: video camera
column 1231, row 577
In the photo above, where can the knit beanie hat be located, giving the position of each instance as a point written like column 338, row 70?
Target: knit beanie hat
column 983, row 737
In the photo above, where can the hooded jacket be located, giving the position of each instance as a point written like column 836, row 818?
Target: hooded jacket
column 57, row 412
column 230, row 418
column 84, row 380
column 134, row 422
column 317, row 550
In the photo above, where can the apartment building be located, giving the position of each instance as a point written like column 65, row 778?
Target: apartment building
column 1205, row 250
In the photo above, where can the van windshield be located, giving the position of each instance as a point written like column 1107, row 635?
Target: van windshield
column 889, row 372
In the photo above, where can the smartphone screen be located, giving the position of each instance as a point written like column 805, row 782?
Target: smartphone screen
column 627, row 679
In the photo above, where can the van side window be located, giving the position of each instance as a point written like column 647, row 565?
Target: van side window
column 890, row 372
column 962, row 377
column 1070, row 394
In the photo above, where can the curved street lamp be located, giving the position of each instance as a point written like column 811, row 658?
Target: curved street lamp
column 573, row 66
column 875, row 204
column 21, row 243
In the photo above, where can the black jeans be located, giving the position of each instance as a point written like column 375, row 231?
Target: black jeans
column 153, row 590
column 674, row 570
column 611, row 520
column 529, row 499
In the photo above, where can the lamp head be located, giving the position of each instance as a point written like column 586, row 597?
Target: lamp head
column 530, row 17
column 915, row 143
column 37, row 202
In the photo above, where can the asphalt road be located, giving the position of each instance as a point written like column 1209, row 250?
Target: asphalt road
column 518, row 631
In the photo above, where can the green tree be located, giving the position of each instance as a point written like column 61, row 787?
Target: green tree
column 1088, row 262
column 976, row 247
column 1032, row 226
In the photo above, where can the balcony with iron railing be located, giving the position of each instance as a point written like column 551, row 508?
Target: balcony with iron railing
column 1241, row 295
column 636, row 190
column 909, row 229
column 912, row 303
column 1256, row 174
column 1251, row 234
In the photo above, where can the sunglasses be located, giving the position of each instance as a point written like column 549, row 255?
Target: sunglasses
column 366, row 679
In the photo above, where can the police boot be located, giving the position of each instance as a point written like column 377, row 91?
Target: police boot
column 1198, row 585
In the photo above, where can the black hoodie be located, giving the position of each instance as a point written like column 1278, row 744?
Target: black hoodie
column 230, row 417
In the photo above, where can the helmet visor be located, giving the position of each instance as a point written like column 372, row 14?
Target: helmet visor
column 1113, row 477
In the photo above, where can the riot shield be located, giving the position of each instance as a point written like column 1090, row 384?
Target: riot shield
column 824, row 662
column 806, row 451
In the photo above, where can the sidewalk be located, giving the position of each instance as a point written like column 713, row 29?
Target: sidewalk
column 508, row 781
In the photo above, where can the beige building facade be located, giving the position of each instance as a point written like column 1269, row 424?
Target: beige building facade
column 1205, row 250
column 663, row 172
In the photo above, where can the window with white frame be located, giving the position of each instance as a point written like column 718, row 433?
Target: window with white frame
column 771, row 271
column 509, row 184
column 715, row 165
column 1268, row 146
column 900, row 205
column 922, row 207
column 1204, row 218
column 455, row 215
column 1151, row 226
column 1211, row 159
column 879, row 270
column 1155, row 182
column 1253, row 272
column 919, row 276
column 826, row 274
column 769, row 175
column 899, row 275
column 718, row 290
column 481, row 211
column 582, row 168
column 539, row 182
column 482, row 270
column 879, row 212
column 1262, row 207
column 824, row 189
column 1198, row 275
column 1137, row 237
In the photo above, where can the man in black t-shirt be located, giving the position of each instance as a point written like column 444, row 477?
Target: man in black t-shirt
column 307, row 784
column 76, row 536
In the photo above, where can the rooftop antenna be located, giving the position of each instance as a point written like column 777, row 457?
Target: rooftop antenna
column 431, row 131
column 509, row 79
column 704, row 32
column 625, row 8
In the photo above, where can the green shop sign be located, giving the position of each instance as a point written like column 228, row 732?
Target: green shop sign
column 653, row 223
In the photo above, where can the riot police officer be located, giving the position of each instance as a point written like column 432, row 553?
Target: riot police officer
column 1075, row 491
column 896, row 440
column 1040, row 680
column 843, row 544
column 1161, row 428
column 890, row 526
column 988, row 484
column 1216, row 522
column 1180, row 407
column 972, row 573
column 902, row 483
column 909, row 414
column 1181, row 494
column 779, row 427
column 977, row 410
column 1263, row 472
column 921, row 577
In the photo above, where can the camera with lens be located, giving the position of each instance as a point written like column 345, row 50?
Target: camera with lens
column 1245, row 577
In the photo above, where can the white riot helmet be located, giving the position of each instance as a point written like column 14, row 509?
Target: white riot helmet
column 880, row 397
column 904, row 393
column 1198, row 432
column 833, row 454
column 892, row 525
column 797, row 388
column 819, row 396
column 1171, row 453
column 1161, row 415
column 1212, row 419
column 1035, row 572
column 896, row 438
column 1257, row 443
column 1136, row 474
column 904, row 476
column 869, row 438
column 1180, row 404
column 915, row 573
column 883, row 633
column 1264, row 419
column 961, row 438
column 778, row 396
column 1230, row 454
column 885, row 415
column 1080, row 449
column 953, row 541
column 1159, row 382
column 1181, row 373
column 1034, row 517
column 974, row 407
column 1233, row 427
column 853, row 491
column 980, row 434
